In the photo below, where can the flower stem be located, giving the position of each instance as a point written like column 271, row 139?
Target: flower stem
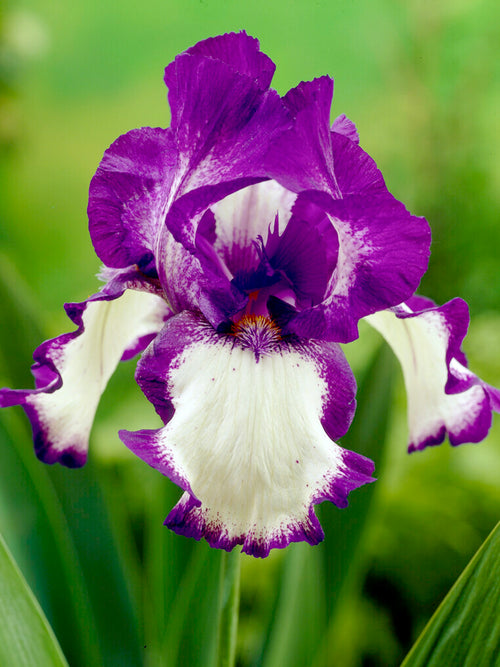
column 229, row 602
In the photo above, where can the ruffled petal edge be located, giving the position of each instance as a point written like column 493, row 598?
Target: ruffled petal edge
column 72, row 370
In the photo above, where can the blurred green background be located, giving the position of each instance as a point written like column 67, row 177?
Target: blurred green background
column 422, row 82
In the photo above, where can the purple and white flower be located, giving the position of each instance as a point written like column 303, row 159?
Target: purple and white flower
column 241, row 245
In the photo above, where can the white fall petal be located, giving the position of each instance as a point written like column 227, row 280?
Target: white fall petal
column 246, row 443
column 86, row 363
column 420, row 342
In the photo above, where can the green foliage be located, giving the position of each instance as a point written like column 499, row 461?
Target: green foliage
column 465, row 630
column 26, row 639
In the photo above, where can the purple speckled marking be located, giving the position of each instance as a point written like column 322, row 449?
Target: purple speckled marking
column 188, row 519
column 357, row 470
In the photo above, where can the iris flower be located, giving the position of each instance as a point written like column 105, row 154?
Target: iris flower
column 241, row 245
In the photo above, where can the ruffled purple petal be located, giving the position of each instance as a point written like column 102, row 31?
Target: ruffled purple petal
column 345, row 126
column 355, row 171
column 444, row 397
column 310, row 156
column 249, row 417
column 383, row 253
column 129, row 195
column 223, row 121
column 72, row 370
column 301, row 158
column 237, row 50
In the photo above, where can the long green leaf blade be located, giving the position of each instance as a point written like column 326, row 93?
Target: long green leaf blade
column 465, row 629
column 82, row 497
column 190, row 636
column 299, row 618
column 26, row 638
column 35, row 526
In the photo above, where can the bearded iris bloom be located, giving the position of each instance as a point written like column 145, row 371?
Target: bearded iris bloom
column 241, row 245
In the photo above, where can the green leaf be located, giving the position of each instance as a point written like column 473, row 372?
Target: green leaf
column 229, row 604
column 299, row 617
column 82, row 495
column 190, row 636
column 37, row 532
column 26, row 638
column 465, row 629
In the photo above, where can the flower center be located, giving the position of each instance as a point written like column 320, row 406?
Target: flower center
column 258, row 333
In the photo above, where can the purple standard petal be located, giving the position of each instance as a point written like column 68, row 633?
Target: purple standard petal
column 383, row 253
column 223, row 122
column 129, row 196
column 314, row 154
column 342, row 125
column 223, row 119
column 301, row 158
column 310, row 156
column 239, row 51
column 72, row 370
column 249, row 417
column 444, row 396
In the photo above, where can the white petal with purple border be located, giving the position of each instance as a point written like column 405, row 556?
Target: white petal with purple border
column 423, row 342
column 246, row 443
column 72, row 370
